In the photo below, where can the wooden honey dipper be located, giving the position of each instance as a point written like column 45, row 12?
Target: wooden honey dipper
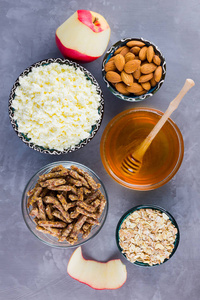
column 132, row 162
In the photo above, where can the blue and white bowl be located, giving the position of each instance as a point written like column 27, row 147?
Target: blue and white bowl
column 132, row 97
column 24, row 137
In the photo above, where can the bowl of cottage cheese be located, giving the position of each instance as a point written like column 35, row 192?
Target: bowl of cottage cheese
column 56, row 106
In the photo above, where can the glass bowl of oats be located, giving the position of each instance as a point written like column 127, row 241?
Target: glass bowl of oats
column 64, row 204
column 56, row 106
column 147, row 235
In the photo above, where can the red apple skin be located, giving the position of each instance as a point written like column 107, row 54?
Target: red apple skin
column 70, row 53
column 97, row 288
column 92, row 286
column 85, row 17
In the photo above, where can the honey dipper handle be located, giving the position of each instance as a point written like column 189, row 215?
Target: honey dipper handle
column 189, row 83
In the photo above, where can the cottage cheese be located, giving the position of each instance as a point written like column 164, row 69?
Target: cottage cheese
column 56, row 106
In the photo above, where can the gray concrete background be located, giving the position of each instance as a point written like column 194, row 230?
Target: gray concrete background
column 28, row 268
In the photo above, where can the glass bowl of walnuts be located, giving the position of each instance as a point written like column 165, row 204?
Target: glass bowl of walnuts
column 64, row 204
column 134, row 69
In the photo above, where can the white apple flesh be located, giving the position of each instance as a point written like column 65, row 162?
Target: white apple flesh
column 84, row 36
column 109, row 275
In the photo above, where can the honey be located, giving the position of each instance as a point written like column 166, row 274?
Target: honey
column 162, row 159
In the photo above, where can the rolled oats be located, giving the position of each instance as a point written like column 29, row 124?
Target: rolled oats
column 147, row 236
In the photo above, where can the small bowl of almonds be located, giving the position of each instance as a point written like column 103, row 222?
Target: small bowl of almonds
column 134, row 69
column 147, row 235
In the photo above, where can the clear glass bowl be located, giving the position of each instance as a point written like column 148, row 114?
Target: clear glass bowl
column 125, row 132
column 155, row 207
column 133, row 98
column 46, row 238
column 94, row 128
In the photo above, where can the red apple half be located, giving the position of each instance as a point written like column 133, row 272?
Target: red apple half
column 99, row 276
column 84, row 36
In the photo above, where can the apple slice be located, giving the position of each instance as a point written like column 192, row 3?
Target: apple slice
column 84, row 36
column 99, row 276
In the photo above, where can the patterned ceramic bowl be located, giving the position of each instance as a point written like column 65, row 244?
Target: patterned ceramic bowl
column 95, row 127
column 154, row 208
column 132, row 97
column 49, row 239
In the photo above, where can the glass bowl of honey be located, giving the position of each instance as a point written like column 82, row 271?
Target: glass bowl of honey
column 125, row 132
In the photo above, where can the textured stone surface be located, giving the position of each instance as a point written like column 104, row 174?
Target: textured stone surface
column 34, row 271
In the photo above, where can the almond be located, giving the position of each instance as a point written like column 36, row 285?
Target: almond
column 157, row 60
column 137, row 74
column 127, row 78
column 158, row 74
column 121, row 88
column 112, row 58
column 134, row 88
column 110, row 66
column 129, row 56
column 141, row 93
column 135, row 43
column 148, row 68
column 119, row 50
column 153, row 82
column 113, row 77
column 143, row 53
column 146, row 85
column 135, row 50
column 124, row 51
column 132, row 65
column 150, row 53
column 119, row 62
column 145, row 78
